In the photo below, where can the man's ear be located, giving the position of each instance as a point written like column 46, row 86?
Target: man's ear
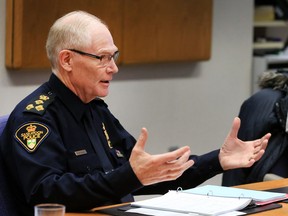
column 65, row 59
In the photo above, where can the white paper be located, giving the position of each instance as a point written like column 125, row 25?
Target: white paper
column 147, row 211
column 191, row 203
column 153, row 212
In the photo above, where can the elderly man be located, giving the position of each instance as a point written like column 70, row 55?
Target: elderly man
column 62, row 145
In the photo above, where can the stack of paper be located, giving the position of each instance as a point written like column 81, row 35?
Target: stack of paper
column 193, row 203
column 209, row 200
column 259, row 197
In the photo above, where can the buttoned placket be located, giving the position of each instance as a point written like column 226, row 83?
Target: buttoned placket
column 93, row 134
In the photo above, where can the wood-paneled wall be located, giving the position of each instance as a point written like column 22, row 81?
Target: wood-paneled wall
column 145, row 31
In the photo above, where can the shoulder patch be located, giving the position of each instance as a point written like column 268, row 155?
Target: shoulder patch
column 39, row 103
column 31, row 135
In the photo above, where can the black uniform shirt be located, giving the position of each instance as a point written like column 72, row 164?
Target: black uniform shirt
column 50, row 157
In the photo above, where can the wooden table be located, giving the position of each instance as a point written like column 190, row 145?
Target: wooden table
column 254, row 186
column 269, row 185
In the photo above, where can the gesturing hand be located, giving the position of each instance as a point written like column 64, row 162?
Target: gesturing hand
column 236, row 153
column 152, row 169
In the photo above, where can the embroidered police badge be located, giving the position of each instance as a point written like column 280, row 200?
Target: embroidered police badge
column 31, row 134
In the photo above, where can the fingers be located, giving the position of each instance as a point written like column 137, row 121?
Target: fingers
column 174, row 169
column 168, row 157
column 174, row 173
column 151, row 169
column 259, row 155
column 265, row 140
column 259, row 149
column 235, row 127
column 261, row 143
column 266, row 136
column 173, row 156
column 179, row 161
column 254, row 158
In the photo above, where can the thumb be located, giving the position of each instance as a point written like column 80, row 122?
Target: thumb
column 142, row 139
column 235, row 127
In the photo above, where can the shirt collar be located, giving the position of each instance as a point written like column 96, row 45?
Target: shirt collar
column 69, row 99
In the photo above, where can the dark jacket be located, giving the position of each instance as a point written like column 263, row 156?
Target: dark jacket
column 263, row 112
column 50, row 157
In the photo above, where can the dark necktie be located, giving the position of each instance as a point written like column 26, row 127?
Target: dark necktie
column 94, row 136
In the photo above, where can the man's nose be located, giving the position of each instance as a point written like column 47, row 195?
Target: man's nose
column 112, row 66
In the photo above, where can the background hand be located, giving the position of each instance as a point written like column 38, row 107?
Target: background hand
column 236, row 153
column 151, row 169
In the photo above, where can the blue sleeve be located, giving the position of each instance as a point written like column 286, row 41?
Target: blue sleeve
column 52, row 172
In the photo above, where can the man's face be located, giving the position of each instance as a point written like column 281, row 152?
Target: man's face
column 89, row 77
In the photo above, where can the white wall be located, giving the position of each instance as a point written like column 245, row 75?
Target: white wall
column 180, row 104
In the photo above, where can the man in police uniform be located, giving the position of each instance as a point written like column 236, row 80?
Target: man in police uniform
column 62, row 144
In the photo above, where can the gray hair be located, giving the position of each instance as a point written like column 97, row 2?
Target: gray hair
column 274, row 79
column 69, row 31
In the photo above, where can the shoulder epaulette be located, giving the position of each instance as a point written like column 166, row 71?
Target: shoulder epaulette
column 40, row 103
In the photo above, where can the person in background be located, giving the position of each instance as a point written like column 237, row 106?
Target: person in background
column 265, row 111
column 62, row 145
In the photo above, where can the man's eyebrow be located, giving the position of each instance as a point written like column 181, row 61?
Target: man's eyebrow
column 107, row 50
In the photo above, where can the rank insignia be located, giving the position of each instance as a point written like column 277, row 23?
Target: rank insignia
column 40, row 103
column 119, row 153
column 39, row 108
column 29, row 106
column 31, row 135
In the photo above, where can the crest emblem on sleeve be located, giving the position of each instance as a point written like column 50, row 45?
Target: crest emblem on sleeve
column 31, row 135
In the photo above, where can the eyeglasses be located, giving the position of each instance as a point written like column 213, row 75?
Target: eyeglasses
column 104, row 59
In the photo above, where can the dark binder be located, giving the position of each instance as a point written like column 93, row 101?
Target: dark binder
column 121, row 211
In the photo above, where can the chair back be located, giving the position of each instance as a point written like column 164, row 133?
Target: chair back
column 7, row 203
column 3, row 121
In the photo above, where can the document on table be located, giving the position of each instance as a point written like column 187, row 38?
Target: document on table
column 259, row 197
column 146, row 211
column 177, row 201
